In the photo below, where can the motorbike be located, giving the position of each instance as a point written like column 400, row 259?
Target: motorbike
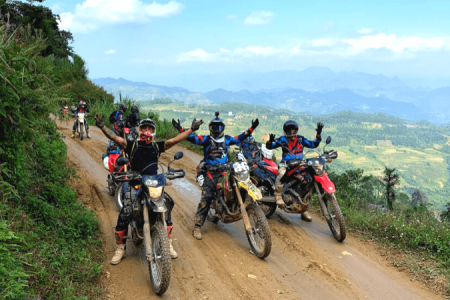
column 109, row 158
column 150, row 205
column 81, row 125
column 263, row 173
column 307, row 176
column 64, row 113
column 236, row 199
column 74, row 111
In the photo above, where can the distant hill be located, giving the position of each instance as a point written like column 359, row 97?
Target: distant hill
column 433, row 106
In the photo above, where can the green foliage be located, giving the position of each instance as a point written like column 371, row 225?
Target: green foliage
column 43, row 22
column 49, row 243
column 391, row 180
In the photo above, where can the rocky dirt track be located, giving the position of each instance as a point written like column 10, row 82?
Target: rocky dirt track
column 306, row 262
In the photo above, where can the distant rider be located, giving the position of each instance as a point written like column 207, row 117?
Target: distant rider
column 292, row 149
column 81, row 108
column 142, row 152
column 133, row 119
column 215, row 149
column 118, row 118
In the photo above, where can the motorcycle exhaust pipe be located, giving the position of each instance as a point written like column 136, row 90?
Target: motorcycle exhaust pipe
column 268, row 199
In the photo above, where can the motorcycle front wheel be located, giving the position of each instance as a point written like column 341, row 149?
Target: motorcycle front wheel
column 268, row 208
column 118, row 197
column 336, row 222
column 160, row 266
column 81, row 132
column 259, row 238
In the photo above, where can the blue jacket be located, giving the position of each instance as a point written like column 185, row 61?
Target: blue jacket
column 295, row 147
column 119, row 115
column 205, row 141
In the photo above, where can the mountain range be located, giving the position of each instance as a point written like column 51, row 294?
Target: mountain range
column 324, row 92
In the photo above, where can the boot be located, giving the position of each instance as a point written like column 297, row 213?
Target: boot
column 120, row 251
column 73, row 134
column 88, row 135
column 173, row 253
column 278, row 197
column 305, row 216
column 197, row 233
column 118, row 255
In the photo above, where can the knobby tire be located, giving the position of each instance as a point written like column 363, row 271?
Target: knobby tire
column 160, row 247
column 259, row 223
column 338, row 230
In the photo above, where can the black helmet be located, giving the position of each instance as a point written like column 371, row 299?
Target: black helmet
column 216, row 127
column 134, row 109
column 123, row 107
column 149, row 122
column 287, row 128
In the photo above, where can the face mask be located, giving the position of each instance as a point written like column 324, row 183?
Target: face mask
column 146, row 137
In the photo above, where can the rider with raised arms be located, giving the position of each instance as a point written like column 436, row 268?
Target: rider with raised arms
column 142, row 152
column 215, row 149
column 292, row 145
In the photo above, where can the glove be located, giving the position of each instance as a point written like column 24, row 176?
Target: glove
column 196, row 124
column 99, row 122
column 319, row 128
column 271, row 137
column 177, row 125
column 200, row 180
column 255, row 124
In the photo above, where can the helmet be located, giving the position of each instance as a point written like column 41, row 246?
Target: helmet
column 287, row 128
column 123, row 107
column 147, row 136
column 134, row 109
column 216, row 128
column 266, row 153
column 82, row 103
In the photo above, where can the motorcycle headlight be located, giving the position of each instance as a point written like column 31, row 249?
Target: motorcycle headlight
column 155, row 192
column 243, row 176
column 151, row 182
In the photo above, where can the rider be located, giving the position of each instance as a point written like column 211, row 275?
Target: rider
column 118, row 118
column 292, row 149
column 142, row 152
column 215, row 149
column 81, row 108
column 133, row 119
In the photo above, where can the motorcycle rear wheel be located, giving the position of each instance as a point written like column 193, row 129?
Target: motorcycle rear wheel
column 336, row 222
column 260, row 239
column 160, row 266
column 118, row 197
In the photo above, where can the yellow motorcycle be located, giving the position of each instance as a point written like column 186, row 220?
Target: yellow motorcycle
column 236, row 199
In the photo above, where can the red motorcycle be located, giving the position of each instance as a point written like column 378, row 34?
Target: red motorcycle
column 307, row 176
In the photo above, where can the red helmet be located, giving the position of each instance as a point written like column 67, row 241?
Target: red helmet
column 82, row 103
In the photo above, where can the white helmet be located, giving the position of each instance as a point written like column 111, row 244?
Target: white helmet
column 268, row 154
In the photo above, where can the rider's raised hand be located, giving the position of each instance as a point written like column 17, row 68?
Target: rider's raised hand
column 196, row 124
column 271, row 137
column 99, row 121
column 319, row 128
column 177, row 125
column 255, row 124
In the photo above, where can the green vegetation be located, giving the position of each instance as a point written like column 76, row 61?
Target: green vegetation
column 49, row 242
column 419, row 151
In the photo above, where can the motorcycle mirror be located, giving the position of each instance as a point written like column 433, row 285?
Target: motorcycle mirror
column 122, row 161
column 328, row 140
column 178, row 155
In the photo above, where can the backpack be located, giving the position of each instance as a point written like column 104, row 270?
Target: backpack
column 112, row 117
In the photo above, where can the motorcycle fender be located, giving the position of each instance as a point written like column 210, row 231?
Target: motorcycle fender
column 252, row 190
column 157, row 205
column 326, row 183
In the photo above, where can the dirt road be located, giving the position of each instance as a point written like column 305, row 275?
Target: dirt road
column 306, row 262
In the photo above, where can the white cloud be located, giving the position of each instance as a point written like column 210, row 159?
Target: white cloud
column 259, row 18
column 365, row 31
column 231, row 17
column 373, row 47
column 110, row 52
column 394, row 43
column 93, row 14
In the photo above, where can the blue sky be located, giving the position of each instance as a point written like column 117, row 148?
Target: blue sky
column 151, row 41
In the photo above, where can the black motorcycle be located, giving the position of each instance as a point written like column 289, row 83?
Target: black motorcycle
column 151, row 205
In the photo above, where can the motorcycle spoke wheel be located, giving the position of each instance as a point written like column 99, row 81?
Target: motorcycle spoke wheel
column 160, row 265
column 259, row 238
column 336, row 222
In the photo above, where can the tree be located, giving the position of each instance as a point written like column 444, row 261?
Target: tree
column 418, row 198
column 391, row 180
column 43, row 22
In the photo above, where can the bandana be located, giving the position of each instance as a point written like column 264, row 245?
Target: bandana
column 146, row 137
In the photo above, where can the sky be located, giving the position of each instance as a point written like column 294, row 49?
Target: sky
column 152, row 41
